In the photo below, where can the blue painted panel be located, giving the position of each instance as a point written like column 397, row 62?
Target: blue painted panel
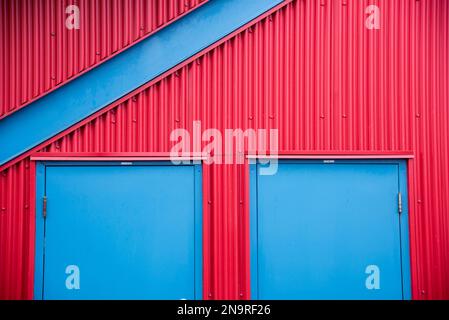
column 405, row 236
column 134, row 232
column 316, row 228
column 125, row 72
column 39, row 252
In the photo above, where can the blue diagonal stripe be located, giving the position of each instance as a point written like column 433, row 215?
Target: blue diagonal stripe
column 124, row 73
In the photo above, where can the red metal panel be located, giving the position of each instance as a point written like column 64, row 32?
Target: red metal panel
column 331, row 86
column 43, row 54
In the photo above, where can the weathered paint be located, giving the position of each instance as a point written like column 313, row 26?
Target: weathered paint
column 60, row 54
column 313, row 71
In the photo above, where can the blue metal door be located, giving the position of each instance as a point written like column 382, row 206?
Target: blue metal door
column 333, row 230
column 117, row 231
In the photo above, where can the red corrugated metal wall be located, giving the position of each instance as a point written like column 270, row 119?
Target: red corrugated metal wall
column 313, row 71
column 43, row 54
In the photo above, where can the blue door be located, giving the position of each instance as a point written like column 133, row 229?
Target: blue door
column 118, row 231
column 330, row 230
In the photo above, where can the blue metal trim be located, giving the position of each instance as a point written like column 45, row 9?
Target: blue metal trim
column 40, row 222
column 40, row 235
column 404, row 218
column 405, row 238
column 124, row 73
column 198, row 232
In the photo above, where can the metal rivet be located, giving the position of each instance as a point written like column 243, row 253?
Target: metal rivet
column 250, row 117
column 27, row 206
column 271, row 117
column 98, row 53
column 134, row 120
column 345, row 116
column 322, row 116
column 52, row 33
column 3, row 209
column 418, row 115
column 209, row 202
column 210, row 294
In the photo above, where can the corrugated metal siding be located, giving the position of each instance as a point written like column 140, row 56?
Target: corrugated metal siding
column 43, row 54
column 313, row 71
column 17, row 231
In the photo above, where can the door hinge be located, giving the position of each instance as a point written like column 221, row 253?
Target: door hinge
column 44, row 206
column 399, row 202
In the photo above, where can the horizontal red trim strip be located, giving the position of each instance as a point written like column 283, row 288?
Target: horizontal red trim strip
column 112, row 156
column 116, row 159
column 335, row 155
